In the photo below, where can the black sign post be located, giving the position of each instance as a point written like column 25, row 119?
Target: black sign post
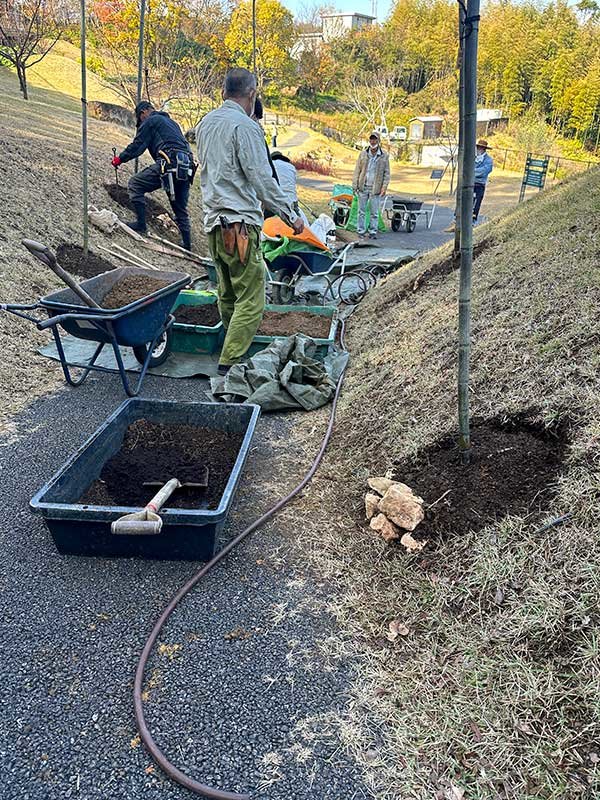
column 535, row 173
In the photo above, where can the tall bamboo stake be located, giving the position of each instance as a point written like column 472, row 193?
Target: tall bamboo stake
column 469, row 68
column 84, row 144
column 140, row 75
column 254, row 37
column 461, row 139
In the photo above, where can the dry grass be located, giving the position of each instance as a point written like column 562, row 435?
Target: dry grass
column 41, row 142
column 495, row 689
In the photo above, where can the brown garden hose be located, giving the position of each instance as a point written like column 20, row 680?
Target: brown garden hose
column 158, row 756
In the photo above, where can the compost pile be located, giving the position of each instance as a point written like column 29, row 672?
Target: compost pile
column 207, row 315
column 157, row 452
column 131, row 288
column 275, row 323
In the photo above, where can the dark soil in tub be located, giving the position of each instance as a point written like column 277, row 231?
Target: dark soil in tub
column 207, row 315
column 130, row 288
column 157, row 452
column 513, row 471
column 70, row 257
column 277, row 323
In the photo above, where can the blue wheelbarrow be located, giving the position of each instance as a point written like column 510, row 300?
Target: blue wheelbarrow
column 143, row 325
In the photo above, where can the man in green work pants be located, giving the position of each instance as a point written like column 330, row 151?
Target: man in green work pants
column 241, row 292
column 236, row 177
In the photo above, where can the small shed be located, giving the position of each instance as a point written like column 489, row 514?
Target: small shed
column 420, row 128
column 490, row 120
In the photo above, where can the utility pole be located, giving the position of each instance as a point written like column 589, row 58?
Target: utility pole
column 84, row 144
column 469, row 35
column 140, row 75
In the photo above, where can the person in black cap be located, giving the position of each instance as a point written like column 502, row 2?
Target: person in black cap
column 164, row 140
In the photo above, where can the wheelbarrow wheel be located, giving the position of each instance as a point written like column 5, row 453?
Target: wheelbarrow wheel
column 283, row 291
column 411, row 223
column 161, row 352
column 396, row 223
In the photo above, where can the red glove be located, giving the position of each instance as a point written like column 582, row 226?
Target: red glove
column 116, row 162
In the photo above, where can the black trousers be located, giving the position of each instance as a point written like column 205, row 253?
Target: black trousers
column 148, row 180
column 478, row 192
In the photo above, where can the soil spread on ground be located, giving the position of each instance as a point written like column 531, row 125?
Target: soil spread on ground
column 512, row 472
column 121, row 196
column 71, row 258
column 275, row 323
column 207, row 315
column 131, row 288
column 157, row 452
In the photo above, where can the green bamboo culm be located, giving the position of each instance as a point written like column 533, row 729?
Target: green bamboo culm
column 84, row 141
column 469, row 34
column 461, row 141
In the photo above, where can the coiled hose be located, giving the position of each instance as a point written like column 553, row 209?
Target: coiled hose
column 153, row 749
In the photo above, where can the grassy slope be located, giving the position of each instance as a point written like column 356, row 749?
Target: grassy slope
column 60, row 71
column 41, row 140
column 500, row 700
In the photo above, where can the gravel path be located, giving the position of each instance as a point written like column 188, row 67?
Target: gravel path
column 247, row 687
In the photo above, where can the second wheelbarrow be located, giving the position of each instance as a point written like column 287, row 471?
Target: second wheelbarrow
column 142, row 324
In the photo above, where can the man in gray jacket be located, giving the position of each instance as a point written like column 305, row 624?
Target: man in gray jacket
column 370, row 182
column 235, row 176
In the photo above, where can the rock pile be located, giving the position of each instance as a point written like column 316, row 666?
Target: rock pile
column 391, row 508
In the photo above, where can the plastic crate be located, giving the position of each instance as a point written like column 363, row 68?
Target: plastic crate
column 260, row 342
column 201, row 339
column 186, row 533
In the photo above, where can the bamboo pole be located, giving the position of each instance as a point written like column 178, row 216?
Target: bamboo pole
column 140, row 75
column 469, row 68
column 254, row 38
column 461, row 139
column 84, row 141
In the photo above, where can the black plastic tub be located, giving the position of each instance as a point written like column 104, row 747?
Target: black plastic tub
column 186, row 533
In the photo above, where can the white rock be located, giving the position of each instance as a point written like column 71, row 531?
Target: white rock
column 387, row 529
column 402, row 507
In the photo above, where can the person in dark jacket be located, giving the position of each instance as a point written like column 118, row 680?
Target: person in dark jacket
column 157, row 132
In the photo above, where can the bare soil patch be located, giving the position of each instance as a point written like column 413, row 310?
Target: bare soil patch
column 131, row 288
column 120, row 195
column 513, row 470
column 207, row 315
column 276, row 323
column 156, row 452
column 71, row 258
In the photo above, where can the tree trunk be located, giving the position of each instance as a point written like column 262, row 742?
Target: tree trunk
column 22, row 79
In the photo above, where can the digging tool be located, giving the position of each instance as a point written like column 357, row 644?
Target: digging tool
column 47, row 257
column 147, row 521
column 202, row 482
column 116, row 168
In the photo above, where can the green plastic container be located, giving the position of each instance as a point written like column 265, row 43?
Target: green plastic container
column 260, row 342
column 201, row 339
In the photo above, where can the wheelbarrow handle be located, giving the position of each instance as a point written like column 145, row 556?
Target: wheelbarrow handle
column 18, row 308
column 60, row 318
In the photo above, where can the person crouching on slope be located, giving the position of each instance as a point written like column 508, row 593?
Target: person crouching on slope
column 164, row 140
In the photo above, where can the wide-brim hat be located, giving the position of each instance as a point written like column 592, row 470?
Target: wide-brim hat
column 483, row 144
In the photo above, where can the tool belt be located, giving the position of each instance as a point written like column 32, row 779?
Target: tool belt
column 179, row 165
column 235, row 237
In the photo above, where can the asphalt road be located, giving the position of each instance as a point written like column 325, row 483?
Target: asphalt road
column 243, row 695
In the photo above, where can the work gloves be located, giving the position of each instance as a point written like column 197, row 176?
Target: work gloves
column 116, row 162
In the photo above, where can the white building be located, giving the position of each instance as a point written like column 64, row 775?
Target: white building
column 337, row 25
